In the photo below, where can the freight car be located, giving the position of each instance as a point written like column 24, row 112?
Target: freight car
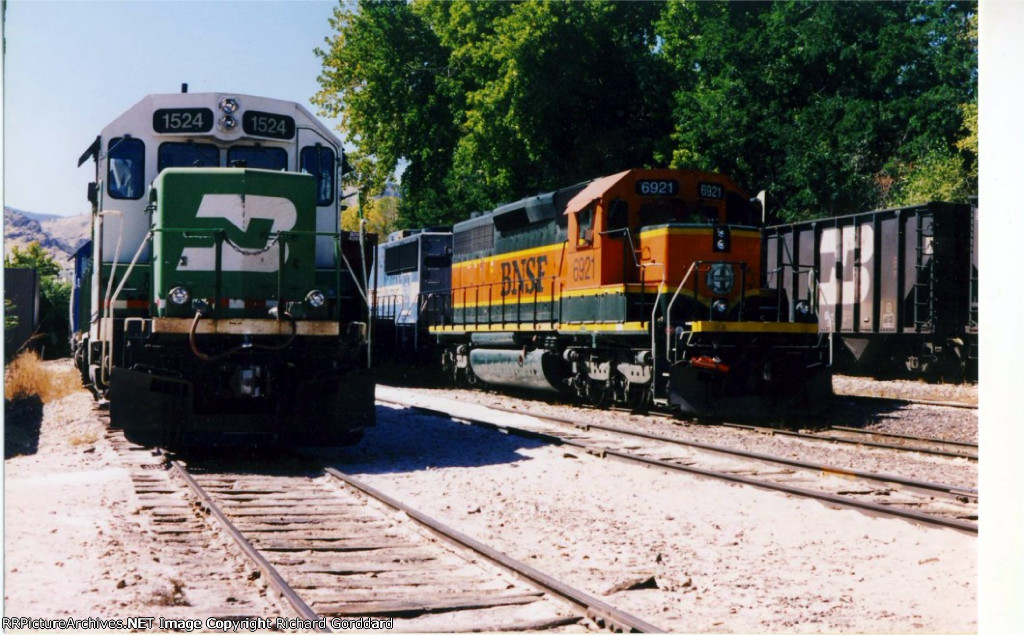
column 218, row 302
column 898, row 287
column 636, row 288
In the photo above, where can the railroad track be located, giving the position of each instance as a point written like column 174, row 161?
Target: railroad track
column 210, row 581
column 903, row 401
column 879, row 440
column 922, row 445
column 834, row 434
column 857, row 436
column 334, row 549
column 928, row 503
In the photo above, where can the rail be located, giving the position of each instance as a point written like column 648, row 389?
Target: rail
column 483, row 310
column 772, row 480
column 594, row 607
column 813, row 288
column 269, row 571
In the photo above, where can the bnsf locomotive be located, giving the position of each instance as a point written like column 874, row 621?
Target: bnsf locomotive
column 637, row 288
column 217, row 302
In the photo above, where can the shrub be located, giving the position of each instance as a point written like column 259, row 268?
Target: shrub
column 27, row 375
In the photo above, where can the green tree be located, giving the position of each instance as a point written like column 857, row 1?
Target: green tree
column 380, row 214
column 380, row 77
column 32, row 257
column 54, row 296
column 825, row 104
column 812, row 100
column 486, row 102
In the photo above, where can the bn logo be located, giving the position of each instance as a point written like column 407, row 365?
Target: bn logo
column 720, row 278
column 239, row 211
column 525, row 275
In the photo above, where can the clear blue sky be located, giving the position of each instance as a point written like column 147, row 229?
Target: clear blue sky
column 73, row 66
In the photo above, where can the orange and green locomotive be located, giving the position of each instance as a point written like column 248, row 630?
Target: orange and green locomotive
column 642, row 287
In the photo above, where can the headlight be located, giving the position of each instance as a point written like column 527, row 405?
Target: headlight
column 720, row 307
column 227, row 123
column 315, row 299
column 228, row 105
column 178, row 296
column 803, row 308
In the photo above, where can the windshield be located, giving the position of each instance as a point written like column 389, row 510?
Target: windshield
column 258, row 157
column 187, row 155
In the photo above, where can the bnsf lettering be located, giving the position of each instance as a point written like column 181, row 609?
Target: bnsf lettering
column 525, row 275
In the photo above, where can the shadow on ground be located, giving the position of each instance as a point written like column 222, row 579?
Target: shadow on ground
column 23, row 420
column 408, row 441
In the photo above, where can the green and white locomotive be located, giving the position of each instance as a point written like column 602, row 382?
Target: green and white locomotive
column 218, row 302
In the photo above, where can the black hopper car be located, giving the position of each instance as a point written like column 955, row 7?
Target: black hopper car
column 898, row 290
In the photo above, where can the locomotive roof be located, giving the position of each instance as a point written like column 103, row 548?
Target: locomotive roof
column 529, row 210
column 141, row 113
column 593, row 191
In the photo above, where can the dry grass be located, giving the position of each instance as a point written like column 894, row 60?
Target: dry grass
column 174, row 596
column 89, row 437
column 28, row 375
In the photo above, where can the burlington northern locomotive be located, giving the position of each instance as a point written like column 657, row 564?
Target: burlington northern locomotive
column 218, row 302
column 636, row 288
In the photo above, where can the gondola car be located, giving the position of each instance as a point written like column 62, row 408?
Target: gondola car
column 218, row 303
column 898, row 287
column 636, row 288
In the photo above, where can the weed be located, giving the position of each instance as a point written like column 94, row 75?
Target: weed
column 88, row 437
column 28, row 375
column 175, row 596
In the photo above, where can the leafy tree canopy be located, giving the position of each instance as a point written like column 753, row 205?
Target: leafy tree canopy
column 833, row 107
column 54, row 295
column 32, row 257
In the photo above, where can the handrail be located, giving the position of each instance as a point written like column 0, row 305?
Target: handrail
column 117, row 292
column 668, row 310
column 812, row 278
column 279, row 237
column 106, row 352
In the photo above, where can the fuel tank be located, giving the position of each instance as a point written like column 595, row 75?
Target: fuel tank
column 534, row 370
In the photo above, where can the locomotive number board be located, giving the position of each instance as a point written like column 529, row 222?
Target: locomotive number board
column 710, row 190
column 182, row 120
column 268, row 124
column 657, row 187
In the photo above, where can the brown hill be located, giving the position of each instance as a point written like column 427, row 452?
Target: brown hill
column 60, row 235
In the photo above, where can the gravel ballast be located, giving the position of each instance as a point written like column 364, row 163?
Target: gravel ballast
column 687, row 554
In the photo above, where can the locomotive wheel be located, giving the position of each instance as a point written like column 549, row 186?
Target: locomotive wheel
column 951, row 365
column 599, row 394
column 640, row 400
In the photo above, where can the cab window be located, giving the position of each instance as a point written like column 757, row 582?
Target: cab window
column 319, row 160
column 126, row 168
column 258, row 157
column 585, row 221
column 187, row 155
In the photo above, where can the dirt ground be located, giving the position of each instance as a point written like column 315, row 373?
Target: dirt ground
column 73, row 542
column 721, row 559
